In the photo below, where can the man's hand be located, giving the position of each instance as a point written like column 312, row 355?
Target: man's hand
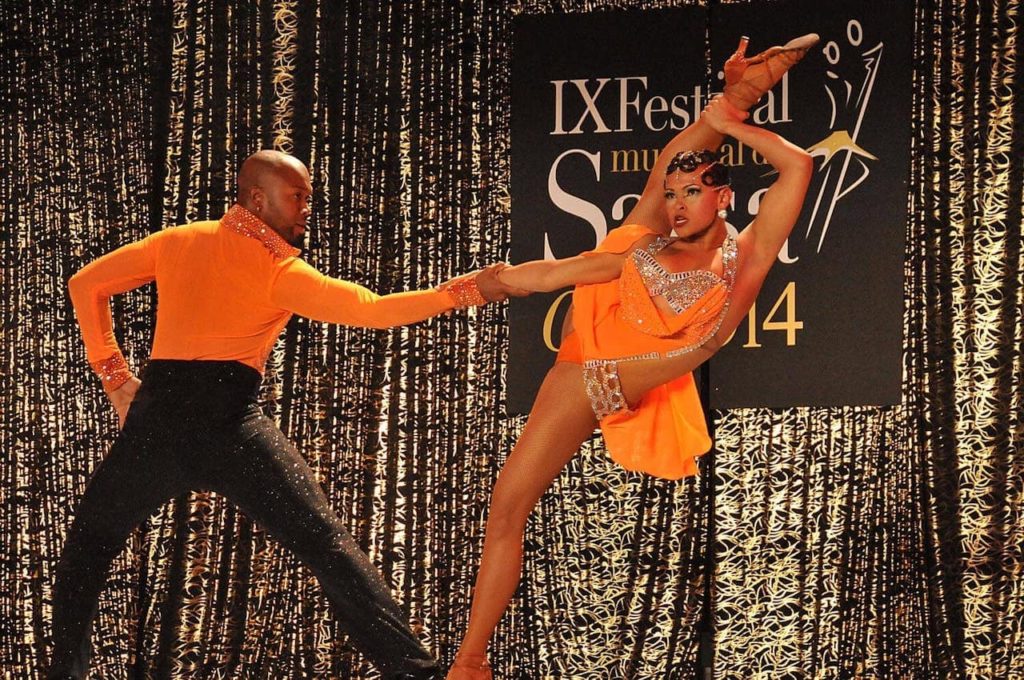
column 122, row 398
column 492, row 288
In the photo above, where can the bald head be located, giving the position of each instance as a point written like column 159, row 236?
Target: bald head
column 276, row 188
column 258, row 168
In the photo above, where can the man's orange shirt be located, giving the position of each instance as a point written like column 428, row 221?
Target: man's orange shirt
column 225, row 289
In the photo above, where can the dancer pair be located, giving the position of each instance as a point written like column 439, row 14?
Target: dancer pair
column 655, row 299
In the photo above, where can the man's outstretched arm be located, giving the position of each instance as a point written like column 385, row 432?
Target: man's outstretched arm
column 307, row 292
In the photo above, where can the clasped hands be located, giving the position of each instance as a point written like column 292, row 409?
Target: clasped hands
column 490, row 285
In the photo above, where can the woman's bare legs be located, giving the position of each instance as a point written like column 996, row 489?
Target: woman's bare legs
column 560, row 421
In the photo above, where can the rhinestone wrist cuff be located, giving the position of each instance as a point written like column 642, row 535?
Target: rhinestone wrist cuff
column 465, row 293
column 114, row 372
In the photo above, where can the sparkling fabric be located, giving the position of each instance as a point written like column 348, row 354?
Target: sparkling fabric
column 682, row 289
column 177, row 439
column 245, row 223
column 114, row 372
column 601, row 379
column 465, row 293
column 621, row 320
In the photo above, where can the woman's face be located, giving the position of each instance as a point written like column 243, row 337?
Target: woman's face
column 690, row 205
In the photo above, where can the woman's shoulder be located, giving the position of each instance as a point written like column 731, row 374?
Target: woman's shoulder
column 627, row 237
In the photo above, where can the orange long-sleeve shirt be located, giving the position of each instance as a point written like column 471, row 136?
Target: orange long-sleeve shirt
column 225, row 289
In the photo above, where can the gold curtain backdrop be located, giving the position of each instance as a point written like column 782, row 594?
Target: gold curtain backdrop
column 851, row 542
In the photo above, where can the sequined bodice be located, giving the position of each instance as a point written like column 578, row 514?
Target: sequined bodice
column 644, row 278
column 682, row 289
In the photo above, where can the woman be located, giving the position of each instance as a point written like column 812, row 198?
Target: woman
column 657, row 298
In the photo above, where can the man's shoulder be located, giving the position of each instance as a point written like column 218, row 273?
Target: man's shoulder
column 188, row 231
column 202, row 227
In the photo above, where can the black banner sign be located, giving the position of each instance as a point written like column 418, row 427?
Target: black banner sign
column 594, row 97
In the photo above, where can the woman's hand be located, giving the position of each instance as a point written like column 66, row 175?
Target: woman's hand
column 721, row 115
column 122, row 398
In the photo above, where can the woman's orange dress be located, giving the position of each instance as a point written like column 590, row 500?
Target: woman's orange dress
column 665, row 433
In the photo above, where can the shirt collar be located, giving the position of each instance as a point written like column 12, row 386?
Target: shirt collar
column 243, row 222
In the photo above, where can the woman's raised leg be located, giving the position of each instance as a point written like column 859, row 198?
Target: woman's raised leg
column 746, row 81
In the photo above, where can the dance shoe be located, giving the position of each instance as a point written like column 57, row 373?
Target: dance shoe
column 746, row 80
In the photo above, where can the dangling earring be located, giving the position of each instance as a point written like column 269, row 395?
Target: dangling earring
column 722, row 213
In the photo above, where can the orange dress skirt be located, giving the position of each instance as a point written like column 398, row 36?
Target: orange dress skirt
column 665, row 433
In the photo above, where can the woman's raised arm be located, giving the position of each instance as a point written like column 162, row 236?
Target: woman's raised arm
column 759, row 245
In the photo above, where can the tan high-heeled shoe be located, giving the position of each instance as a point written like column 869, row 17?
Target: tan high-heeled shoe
column 746, row 80
column 470, row 667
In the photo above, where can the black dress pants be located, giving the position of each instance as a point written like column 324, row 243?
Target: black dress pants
column 196, row 425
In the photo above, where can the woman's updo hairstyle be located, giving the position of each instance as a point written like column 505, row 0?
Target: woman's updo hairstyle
column 715, row 175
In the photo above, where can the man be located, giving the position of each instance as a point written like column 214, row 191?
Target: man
column 226, row 289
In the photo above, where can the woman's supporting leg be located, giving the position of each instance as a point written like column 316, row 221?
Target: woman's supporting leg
column 560, row 421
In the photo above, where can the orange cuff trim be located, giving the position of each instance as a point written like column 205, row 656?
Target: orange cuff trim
column 465, row 293
column 114, row 372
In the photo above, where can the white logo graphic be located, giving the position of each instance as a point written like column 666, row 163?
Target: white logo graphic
column 843, row 160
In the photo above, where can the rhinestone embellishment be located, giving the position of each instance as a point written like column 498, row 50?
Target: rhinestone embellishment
column 601, row 380
column 243, row 222
column 114, row 371
column 682, row 289
column 464, row 292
